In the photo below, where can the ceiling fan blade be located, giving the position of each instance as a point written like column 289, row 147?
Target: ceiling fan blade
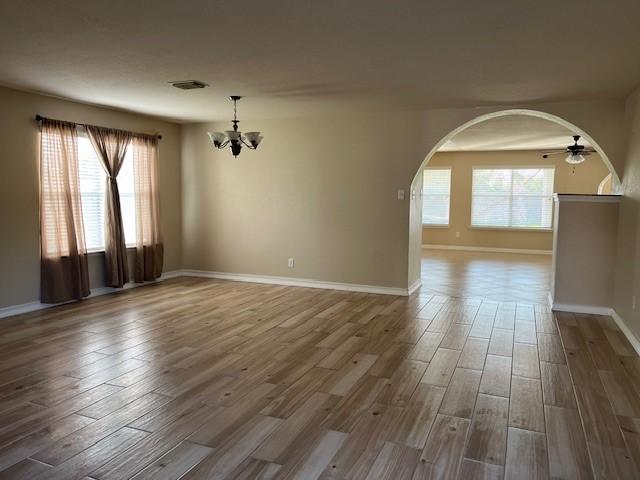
column 546, row 154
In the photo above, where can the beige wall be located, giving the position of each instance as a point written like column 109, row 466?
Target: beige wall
column 320, row 190
column 584, row 179
column 323, row 190
column 19, row 236
column 627, row 283
column 585, row 236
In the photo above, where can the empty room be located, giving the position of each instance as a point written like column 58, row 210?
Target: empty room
column 319, row 240
column 487, row 206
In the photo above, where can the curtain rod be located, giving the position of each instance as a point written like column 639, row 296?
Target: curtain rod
column 40, row 118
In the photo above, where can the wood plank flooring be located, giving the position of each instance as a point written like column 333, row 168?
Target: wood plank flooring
column 197, row 379
column 501, row 277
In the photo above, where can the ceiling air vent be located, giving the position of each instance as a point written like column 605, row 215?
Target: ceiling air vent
column 188, row 84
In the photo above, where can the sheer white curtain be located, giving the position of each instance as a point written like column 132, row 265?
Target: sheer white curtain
column 149, row 243
column 64, row 273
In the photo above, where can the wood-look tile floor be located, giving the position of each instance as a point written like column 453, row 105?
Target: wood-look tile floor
column 195, row 378
column 503, row 277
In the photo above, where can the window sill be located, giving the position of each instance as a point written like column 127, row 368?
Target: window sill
column 428, row 225
column 101, row 250
column 513, row 229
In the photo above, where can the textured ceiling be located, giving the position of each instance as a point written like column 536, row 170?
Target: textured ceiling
column 290, row 57
column 511, row 132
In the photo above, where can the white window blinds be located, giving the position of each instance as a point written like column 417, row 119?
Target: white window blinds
column 512, row 198
column 92, row 194
column 436, row 193
column 127, row 198
column 92, row 191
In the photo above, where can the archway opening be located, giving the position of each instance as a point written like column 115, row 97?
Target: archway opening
column 498, row 186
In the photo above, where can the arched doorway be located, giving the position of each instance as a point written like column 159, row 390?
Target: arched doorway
column 415, row 218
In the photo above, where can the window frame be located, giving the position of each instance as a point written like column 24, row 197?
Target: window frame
column 511, row 167
column 422, row 197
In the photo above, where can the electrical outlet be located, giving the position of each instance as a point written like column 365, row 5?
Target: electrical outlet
column 400, row 194
column 457, row 234
column 291, row 262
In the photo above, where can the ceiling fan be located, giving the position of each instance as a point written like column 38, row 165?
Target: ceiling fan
column 575, row 153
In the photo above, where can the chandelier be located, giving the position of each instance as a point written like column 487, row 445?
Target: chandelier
column 235, row 138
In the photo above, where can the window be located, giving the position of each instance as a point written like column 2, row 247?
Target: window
column 127, row 199
column 92, row 193
column 512, row 198
column 436, row 192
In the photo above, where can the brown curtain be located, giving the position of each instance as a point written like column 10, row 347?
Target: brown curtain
column 149, row 246
column 111, row 146
column 64, row 273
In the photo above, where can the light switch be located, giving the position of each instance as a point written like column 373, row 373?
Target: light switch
column 400, row 194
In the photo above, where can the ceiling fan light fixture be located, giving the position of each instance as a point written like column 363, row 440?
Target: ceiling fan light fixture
column 575, row 154
column 575, row 158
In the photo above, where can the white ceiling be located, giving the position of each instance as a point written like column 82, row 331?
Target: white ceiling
column 512, row 132
column 292, row 56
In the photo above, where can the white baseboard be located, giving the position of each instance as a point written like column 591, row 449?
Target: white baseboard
column 589, row 309
column 485, row 249
column 595, row 310
column 22, row 308
column 414, row 286
column 33, row 306
column 298, row 282
column 571, row 308
column 635, row 343
column 237, row 277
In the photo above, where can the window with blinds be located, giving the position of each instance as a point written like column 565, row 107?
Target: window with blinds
column 436, row 195
column 127, row 198
column 518, row 198
column 92, row 193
